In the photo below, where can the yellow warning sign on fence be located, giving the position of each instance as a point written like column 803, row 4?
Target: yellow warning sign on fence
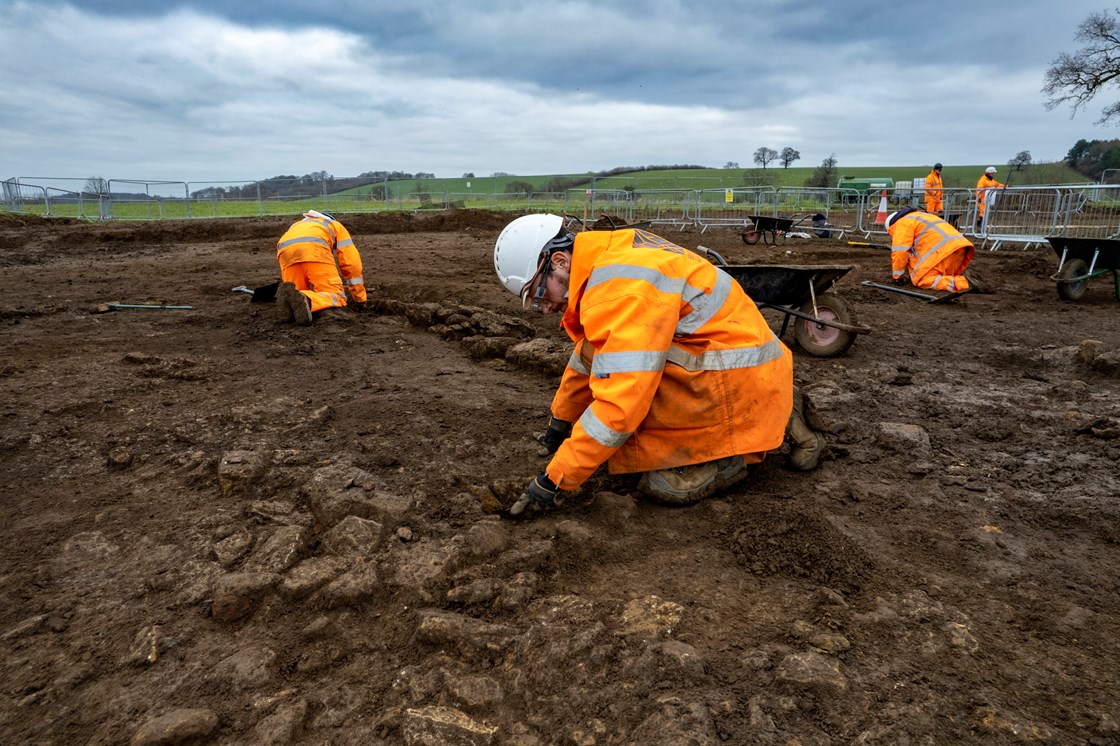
column 728, row 195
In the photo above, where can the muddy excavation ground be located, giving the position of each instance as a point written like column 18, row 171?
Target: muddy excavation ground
column 221, row 529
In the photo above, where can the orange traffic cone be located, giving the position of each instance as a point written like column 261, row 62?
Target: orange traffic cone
column 882, row 216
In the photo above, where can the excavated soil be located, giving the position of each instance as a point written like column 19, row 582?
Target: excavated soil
column 218, row 528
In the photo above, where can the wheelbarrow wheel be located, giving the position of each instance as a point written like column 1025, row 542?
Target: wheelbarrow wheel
column 1068, row 287
column 820, row 340
column 751, row 237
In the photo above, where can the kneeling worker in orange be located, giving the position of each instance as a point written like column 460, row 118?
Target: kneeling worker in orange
column 675, row 373
column 932, row 251
column 318, row 265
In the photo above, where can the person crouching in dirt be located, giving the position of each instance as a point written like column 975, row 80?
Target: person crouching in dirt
column 934, row 253
column 675, row 373
column 318, row 265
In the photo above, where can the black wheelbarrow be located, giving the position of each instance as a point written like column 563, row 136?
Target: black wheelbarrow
column 768, row 228
column 1082, row 259
column 824, row 325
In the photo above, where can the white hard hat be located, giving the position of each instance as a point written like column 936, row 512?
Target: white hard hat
column 889, row 220
column 990, row 170
column 522, row 246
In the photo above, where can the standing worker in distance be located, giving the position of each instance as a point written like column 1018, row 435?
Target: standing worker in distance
column 985, row 184
column 934, row 194
column 318, row 265
column 675, row 373
column 929, row 249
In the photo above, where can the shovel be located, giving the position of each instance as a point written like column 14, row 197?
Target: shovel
column 915, row 294
column 263, row 294
column 868, row 245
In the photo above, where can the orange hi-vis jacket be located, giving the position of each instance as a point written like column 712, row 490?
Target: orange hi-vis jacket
column 931, row 250
column 983, row 186
column 934, row 193
column 674, row 365
column 324, row 241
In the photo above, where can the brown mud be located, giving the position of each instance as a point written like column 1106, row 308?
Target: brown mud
column 217, row 528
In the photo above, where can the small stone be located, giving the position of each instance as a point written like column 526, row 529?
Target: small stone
column 439, row 726
column 404, row 533
column 119, row 458
column 177, row 726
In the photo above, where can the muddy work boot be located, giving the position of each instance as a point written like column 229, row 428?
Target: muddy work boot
column 292, row 305
column 684, row 485
column 805, row 443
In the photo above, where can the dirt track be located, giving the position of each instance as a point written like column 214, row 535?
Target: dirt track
column 259, row 533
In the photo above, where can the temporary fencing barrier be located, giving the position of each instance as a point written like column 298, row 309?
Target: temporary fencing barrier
column 1023, row 215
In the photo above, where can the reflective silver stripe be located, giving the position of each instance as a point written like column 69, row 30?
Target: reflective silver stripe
column 659, row 280
column 704, row 306
column 303, row 239
column 898, row 273
column 606, row 363
column 344, row 244
column 356, row 281
column 897, row 249
column 742, row 357
column 936, row 280
column 952, row 284
column 576, row 364
column 599, row 432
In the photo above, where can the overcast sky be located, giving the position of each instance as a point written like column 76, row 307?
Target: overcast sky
column 245, row 89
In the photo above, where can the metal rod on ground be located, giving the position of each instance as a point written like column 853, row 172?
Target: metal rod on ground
column 868, row 245
column 123, row 306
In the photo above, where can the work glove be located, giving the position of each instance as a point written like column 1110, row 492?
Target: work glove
column 539, row 495
column 899, row 280
column 358, row 307
column 550, row 440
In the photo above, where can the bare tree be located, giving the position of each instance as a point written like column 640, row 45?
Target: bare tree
column 1076, row 78
column 764, row 155
column 788, row 156
column 731, row 165
column 96, row 185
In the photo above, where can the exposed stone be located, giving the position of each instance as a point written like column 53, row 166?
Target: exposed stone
column 469, row 637
column 249, row 667
column 144, row 649
column 280, row 551
column 481, row 591
column 119, row 458
column 540, row 354
column 422, row 568
column 237, row 595
column 444, row 726
column 961, row 637
column 176, row 727
column 237, row 470
column 829, row 642
column 310, row 575
column 232, row 548
column 612, row 509
column 902, row 437
column 283, row 726
column 676, row 721
column 667, row 661
column 650, row 617
column 475, row 692
column 336, row 491
column 356, row 586
column 811, row 670
column 485, row 539
column 352, row 537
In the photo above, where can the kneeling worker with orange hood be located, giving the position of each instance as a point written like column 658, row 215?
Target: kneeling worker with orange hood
column 675, row 373
column 318, row 265
column 930, row 250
